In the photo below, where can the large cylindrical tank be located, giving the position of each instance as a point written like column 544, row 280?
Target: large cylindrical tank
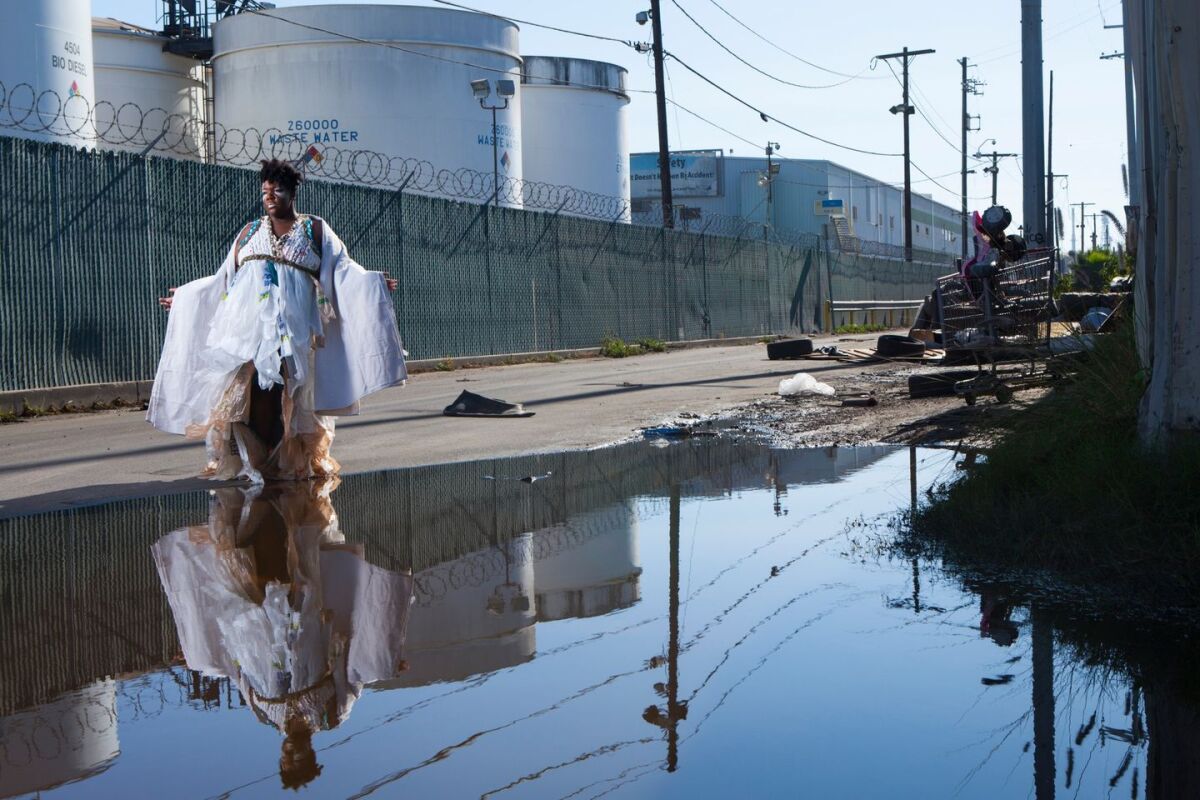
column 46, row 88
column 574, row 118
column 142, row 91
column 384, row 91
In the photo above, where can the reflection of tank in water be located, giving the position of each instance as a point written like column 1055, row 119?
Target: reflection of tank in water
column 472, row 615
column 588, row 565
column 68, row 739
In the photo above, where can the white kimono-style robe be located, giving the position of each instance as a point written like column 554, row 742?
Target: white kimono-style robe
column 361, row 354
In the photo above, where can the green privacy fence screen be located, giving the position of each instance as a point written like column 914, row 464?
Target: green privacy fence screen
column 90, row 240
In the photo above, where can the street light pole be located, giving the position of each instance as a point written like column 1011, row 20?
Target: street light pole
column 482, row 89
column 906, row 110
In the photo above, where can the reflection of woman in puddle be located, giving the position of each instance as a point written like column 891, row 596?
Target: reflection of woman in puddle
column 270, row 594
column 994, row 623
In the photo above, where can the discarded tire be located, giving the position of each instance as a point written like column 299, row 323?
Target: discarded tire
column 893, row 346
column 789, row 348
column 940, row 384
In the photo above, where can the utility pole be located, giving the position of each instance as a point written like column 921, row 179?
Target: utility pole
column 1082, row 225
column 1033, row 141
column 1049, row 210
column 906, row 110
column 995, row 167
column 660, row 97
column 772, row 170
column 1094, row 216
column 968, row 87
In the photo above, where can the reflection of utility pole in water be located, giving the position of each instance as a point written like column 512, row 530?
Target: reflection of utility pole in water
column 1043, row 704
column 912, row 486
column 676, row 710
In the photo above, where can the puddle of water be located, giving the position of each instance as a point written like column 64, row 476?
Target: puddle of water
column 706, row 619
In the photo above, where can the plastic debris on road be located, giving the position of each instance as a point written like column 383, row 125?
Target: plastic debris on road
column 803, row 383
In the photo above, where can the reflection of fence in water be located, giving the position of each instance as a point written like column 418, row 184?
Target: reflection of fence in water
column 84, row 599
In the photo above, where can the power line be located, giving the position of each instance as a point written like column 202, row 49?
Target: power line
column 921, row 111
column 859, row 76
column 601, row 37
column 708, row 121
column 769, row 118
column 422, row 54
column 872, row 185
column 1016, row 48
column 776, row 78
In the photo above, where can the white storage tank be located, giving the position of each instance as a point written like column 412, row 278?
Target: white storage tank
column 142, row 91
column 46, row 89
column 381, row 90
column 574, row 115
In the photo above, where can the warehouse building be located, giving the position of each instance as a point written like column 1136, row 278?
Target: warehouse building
column 800, row 196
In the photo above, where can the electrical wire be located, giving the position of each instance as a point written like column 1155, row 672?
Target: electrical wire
column 859, row 76
column 769, row 118
column 671, row 100
column 762, row 72
column 598, row 36
column 877, row 183
column 920, row 111
column 707, row 121
column 422, row 54
column 1016, row 48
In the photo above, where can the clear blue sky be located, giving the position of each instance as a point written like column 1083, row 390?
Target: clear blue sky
column 1089, row 113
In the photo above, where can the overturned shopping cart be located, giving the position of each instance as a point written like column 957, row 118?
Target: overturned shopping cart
column 999, row 314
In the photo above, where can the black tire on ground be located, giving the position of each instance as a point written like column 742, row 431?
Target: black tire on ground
column 893, row 346
column 939, row 384
column 789, row 348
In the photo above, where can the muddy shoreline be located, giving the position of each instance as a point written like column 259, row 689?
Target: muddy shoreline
column 816, row 421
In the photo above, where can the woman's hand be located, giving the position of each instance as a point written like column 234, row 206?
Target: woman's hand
column 391, row 282
column 166, row 302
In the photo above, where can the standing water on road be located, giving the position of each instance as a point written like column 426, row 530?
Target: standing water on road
column 707, row 619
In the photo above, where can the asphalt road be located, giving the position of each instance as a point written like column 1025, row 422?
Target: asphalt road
column 78, row 459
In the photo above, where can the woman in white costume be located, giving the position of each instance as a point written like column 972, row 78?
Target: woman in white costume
column 289, row 333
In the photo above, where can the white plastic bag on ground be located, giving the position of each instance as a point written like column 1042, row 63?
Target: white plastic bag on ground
column 803, row 383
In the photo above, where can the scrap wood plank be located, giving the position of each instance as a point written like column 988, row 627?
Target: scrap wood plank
column 869, row 355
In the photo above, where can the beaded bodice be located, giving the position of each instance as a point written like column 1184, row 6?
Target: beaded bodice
column 294, row 249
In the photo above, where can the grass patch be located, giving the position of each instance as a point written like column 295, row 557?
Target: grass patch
column 649, row 345
column 8, row 416
column 842, row 330
column 1067, row 488
column 445, row 365
column 614, row 347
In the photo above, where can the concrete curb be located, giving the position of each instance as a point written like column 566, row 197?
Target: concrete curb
column 136, row 393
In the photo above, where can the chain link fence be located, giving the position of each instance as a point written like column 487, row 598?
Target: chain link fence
column 91, row 239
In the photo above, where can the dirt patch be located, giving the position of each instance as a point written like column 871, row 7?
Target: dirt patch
column 815, row 421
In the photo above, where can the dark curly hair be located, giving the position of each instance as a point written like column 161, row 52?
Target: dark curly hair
column 281, row 173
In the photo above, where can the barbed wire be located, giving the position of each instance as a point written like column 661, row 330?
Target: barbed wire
column 156, row 131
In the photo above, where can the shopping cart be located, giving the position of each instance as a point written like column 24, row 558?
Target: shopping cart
column 1001, row 313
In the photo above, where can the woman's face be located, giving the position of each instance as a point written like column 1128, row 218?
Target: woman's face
column 276, row 199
